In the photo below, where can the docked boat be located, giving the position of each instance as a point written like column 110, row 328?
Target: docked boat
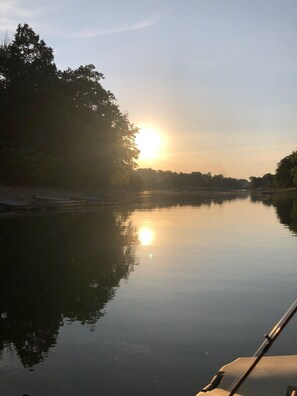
column 258, row 375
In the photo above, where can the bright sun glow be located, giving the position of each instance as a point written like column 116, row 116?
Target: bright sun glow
column 146, row 236
column 149, row 143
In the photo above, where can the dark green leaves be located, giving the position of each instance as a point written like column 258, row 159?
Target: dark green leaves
column 64, row 117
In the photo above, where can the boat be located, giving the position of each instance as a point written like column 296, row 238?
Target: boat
column 258, row 375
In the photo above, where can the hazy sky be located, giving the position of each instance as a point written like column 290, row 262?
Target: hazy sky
column 218, row 78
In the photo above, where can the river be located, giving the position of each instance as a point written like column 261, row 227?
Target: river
column 147, row 300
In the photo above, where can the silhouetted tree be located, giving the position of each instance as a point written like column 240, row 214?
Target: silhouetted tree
column 59, row 126
column 285, row 174
column 268, row 180
column 294, row 168
column 286, row 171
column 152, row 179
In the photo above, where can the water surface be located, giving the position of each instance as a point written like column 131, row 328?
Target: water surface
column 143, row 300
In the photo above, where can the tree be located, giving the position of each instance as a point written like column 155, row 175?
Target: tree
column 294, row 169
column 152, row 179
column 27, row 56
column 265, row 181
column 65, row 118
column 286, row 171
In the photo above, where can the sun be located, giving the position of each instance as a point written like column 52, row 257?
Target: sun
column 148, row 142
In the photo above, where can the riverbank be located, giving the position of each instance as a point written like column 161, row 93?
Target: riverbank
column 25, row 198
column 15, row 198
column 275, row 191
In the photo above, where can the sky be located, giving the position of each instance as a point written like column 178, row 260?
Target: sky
column 216, row 78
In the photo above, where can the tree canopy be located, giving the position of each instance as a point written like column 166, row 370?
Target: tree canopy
column 59, row 126
column 285, row 174
column 286, row 171
column 153, row 179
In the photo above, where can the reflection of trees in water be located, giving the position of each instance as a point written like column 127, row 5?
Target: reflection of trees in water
column 67, row 267
column 56, row 268
column 171, row 199
column 286, row 209
column 287, row 213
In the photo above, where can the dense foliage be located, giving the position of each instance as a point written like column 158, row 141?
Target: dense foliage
column 58, row 127
column 268, row 180
column 152, row 179
column 285, row 174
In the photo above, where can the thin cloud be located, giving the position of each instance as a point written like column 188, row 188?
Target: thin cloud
column 104, row 32
column 12, row 11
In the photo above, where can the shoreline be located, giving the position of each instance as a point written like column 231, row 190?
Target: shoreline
column 28, row 198
column 264, row 191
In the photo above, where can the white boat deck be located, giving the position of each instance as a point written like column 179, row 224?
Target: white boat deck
column 273, row 376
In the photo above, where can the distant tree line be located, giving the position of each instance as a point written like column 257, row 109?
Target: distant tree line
column 58, row 126
column 285, row 174
column 158, row 179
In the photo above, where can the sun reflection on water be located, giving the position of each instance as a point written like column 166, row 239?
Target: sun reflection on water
column 146, row 236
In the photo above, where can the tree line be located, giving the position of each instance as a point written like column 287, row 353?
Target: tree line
column 158, row 179
column 59, row 126
column 285, row 175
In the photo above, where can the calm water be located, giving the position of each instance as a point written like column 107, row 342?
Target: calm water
column 142, row 301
